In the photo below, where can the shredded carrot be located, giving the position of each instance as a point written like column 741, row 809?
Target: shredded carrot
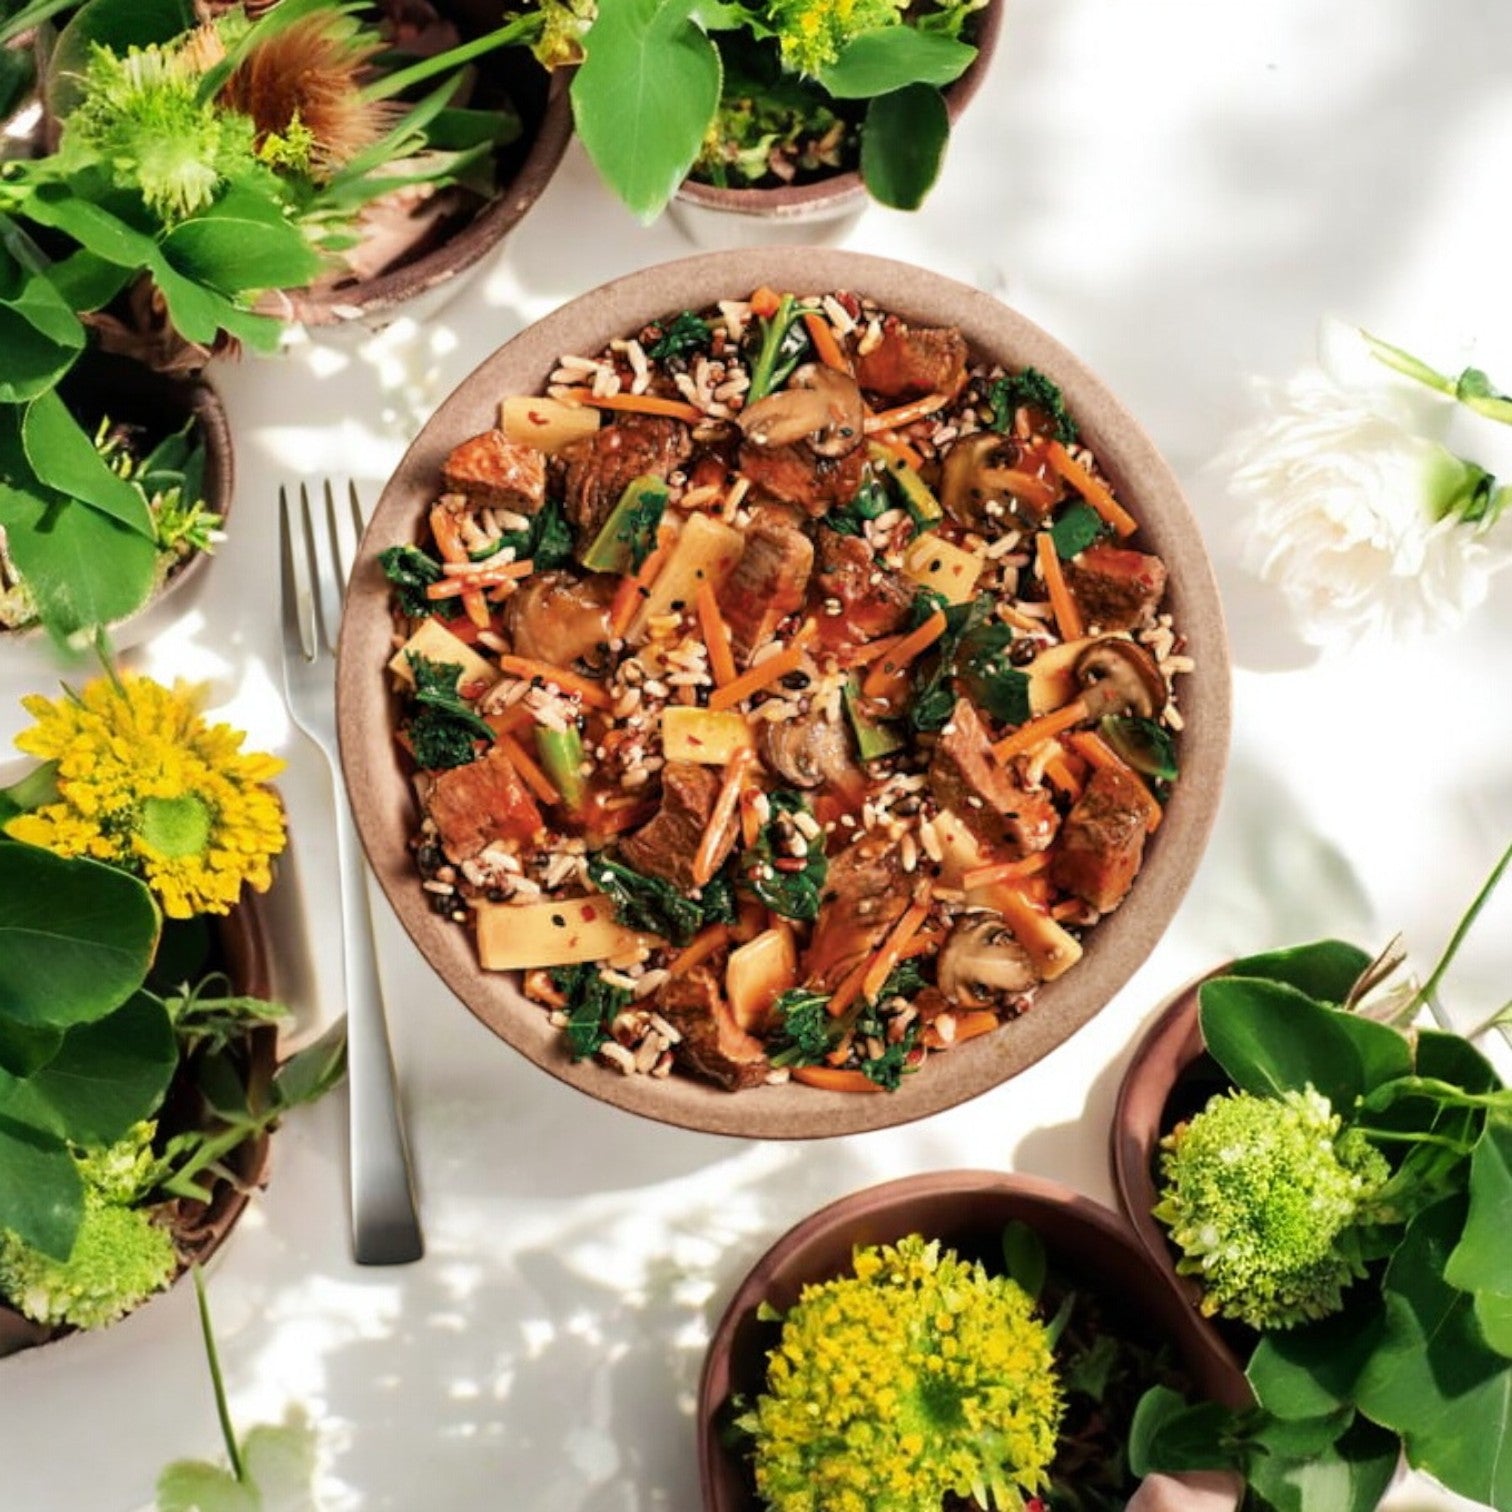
column 736, row 771
column 1067, row 909
column 862, row 655
column 589, row 691
column 449, row 543
column 1058, row 770
column 1068, row 618
column 926, row 942
column 515, row 717
column 833, row 1080
column 892, row 949
column 485, row 572
column 1095, row 493
column 1027, row 736
column 849, row 989
column 904, row 414
column 879, row 680
column 750, row 820
column 891, row 441
column 530, row 774
column 1004, row 871
column 969, row 1025
column 805, row 633
column 765, row 302
column 450, row 586
column 1096, row 752
column 758, row 677
column 822, row 334
column 1024, row 485
column 632, row 590
column 716, row 635
column 638, row 404
column 707, row 942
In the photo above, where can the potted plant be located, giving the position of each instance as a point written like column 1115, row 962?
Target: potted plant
column 137, row 1073
column 1330, row 1182
column 778, row 116
column 957, row 1340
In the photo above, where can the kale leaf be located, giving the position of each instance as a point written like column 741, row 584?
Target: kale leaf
column 649, row 904
column 889, row 1068
column 870, row 501
column 592, row 1004
column 805, row 1030
column 547, row 541
column 445, row 730
column 973, row 649
column 792, row 891
column 412, row 571
column 1032, row 388
column 783, row 343
column 681, row 336
column 1075, row 530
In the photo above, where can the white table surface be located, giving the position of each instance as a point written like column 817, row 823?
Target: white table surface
column 1178, row 190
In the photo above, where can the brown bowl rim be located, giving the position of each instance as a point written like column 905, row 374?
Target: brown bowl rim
column 891, row 1203
column 381, row 791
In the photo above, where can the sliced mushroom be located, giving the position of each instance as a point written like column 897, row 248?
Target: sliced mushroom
column 980, row 471
column 560, row 618
column 1119, row 677
column 982, row 963
column 819, row 405
column 807, row 752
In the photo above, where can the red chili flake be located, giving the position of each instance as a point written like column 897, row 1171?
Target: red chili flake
column 590, row 913
column 789, row 864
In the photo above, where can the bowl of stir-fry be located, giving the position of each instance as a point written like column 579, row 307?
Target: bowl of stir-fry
column 783, row 693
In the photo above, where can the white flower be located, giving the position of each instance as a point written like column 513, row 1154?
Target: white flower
column 1360, row 515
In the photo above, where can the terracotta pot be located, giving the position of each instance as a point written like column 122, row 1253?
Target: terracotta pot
column 1170, row 1078
column 818, row 212
column 102, row 383
column 381, row 791
column 967, row 1211
column 201, row 1229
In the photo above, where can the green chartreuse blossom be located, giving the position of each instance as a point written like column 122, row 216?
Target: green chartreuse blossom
column 1265, row 1198
column 812, row 33
column 919, row 1376
column 119, row 1258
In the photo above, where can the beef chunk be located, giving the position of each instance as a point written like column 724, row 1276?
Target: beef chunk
column 600, row 467
column 1115, row 589
column 713, row 1045
column 666, row 846
column 874, row 599
column 911, row 362
column 796, row 475
column 493, row 471
column 1102, row 841
column 769, row 580
column 966, row 778
column 865, row 893
column 484, row 801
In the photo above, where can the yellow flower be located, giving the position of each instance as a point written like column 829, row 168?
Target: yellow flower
column 813, row 33
column 144, row 783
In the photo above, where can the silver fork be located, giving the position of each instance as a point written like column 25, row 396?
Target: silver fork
column 317, row 557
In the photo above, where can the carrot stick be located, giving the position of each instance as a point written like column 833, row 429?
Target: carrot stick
column 515, row 717
column 849, row 989
column 926, row 942
column 1029, row 735
column 632, row 589
column 707, row 942
column 1004, row 871
column 1091, row 490
column 862, row 655
column 892, row 949
column 1058, row 770
column 530, row 774
column 904, row 414
column 750, row 820
column 969, row 1025
column 880, row 678
column 638, row 404
column 736, row 770
column 1096, row 752
column 716, row 635
column 569, row 682
column 758, row 677
column 832, row 1080
column 1068, row 618
column 765, row 302
column 822, row 334
column 449, row 544
column 893, row 442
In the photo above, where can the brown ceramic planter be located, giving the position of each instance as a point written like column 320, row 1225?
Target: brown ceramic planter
column 821, row 211
column 968, row 1211
column 201, row 1228
column 1170, row 1078
column 103, row 383
column 381, row 791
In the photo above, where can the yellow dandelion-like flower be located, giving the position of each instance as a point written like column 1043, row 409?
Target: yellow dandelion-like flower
column 144, row 783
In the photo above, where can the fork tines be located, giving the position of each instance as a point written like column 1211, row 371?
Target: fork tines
column 316, row 556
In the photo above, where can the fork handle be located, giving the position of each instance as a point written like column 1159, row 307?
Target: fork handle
column 385, row 1223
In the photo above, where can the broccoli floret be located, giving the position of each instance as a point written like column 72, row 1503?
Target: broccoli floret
column 1032, row 388
column 1265, row 1197
column 119, row 1257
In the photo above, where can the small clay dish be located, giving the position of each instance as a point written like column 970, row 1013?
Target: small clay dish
column 966, row 1211
column 199, row 1229
column 380, row 787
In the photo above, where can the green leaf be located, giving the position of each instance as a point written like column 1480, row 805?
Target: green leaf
column 1433, row 1377
column 1024, row 1255
column 197, row 1486
column 86, row 282
column 887, row 58
column 1306, row 1372
column 644, row 97
column 41, row 1197
column 1075, row 529
column 902, row 144
column 1326, row 969
column 1480, row 1261
column 25, row 1048
column 64, row 458
column 1493, row 1311
column 113, row 24
column 15, row 78
column 39, row 334
column 312, row 1072
column 39, row 786
column 76, row 937
column 1169, row 1435
column 1348, row 1475
column 1450, row 1058
column 1272, row 1039
column 236, row 254
column 105, row 1077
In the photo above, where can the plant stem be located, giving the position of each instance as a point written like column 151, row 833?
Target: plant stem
column 1503, row 1015
column 1398, row 1136
column 31, row 16
column 223, row 1412
column 427, row 68
column 1457, row 939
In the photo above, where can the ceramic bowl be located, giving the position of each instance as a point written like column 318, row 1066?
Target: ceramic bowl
column 967, row 1211
column 380, row 787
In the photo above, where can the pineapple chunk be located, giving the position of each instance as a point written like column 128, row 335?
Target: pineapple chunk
column 704, row 736
column 946, row 568
column 757, row 974
column 436, row 643
column 546, row 424
column 706, row 551
column 520, row 936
